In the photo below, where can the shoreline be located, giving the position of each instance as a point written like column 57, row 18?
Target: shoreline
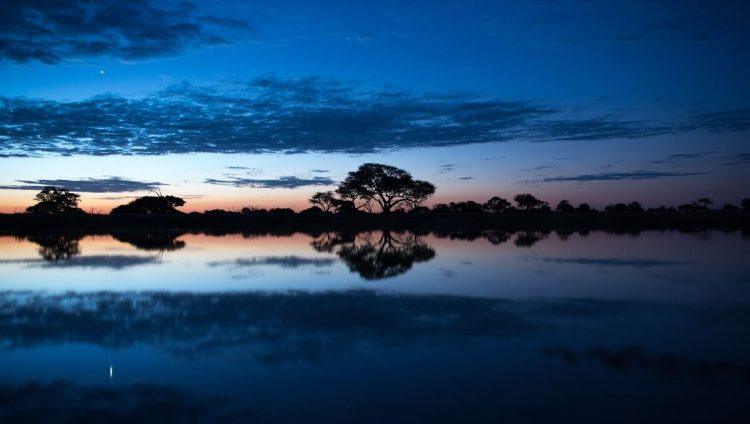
column 574, row 221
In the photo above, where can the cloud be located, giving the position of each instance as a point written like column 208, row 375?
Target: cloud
column 636, row 263
column 466, row 178
column 445, row 168
column 320, row 171
column 50, row 31
column 539, row 168
column 720, row 121
column 739, row 159
column 281, row 261
column 614, row 176
column 286, row 115
column 90, row 185
column 681, row 157
column 115, row 262
column 281, row 182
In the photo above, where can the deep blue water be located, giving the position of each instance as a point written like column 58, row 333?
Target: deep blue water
column 373, row 327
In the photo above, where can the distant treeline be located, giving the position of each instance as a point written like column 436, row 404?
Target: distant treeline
column 372, row 188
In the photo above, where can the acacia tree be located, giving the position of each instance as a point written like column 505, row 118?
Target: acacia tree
column 324, row 200
column 384, row 185
column 53, row 200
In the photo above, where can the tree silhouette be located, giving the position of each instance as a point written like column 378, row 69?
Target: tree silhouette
column 325, row 200
column 376, row 257
column 528, row 202
column 496, row 205
column 151, row 205
column 564, row 206
column 384, row 185
column 55, row 201
column 745, row 203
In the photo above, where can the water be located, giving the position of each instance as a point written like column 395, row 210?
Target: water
column 376, row 327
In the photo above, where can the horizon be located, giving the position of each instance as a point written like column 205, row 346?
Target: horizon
column 229, row 104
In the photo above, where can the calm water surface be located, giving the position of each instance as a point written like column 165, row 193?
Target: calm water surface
column 376, row 327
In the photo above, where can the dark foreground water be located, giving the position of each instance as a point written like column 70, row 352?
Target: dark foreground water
column 376, row 327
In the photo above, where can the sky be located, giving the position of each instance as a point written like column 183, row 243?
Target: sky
column 262, row 103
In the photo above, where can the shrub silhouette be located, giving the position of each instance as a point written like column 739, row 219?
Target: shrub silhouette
column 622, row 207
column 55, row 201
column 151, row 205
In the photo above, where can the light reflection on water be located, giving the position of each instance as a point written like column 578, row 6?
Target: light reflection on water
column 380, row 325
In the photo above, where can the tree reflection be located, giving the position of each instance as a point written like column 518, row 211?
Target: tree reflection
column 530, row 238
column 57, row 247
column 162, row 241
column 375, row 256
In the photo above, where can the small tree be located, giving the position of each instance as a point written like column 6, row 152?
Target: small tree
column 385, row 185
column 496, row 205
column 564, row 206
column 528, row 202
column 324, row 200
column 583, row 207
column 55, row 201
column 745, row 203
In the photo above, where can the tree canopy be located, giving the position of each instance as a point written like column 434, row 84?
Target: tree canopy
column 55, row 201
column 384, row 185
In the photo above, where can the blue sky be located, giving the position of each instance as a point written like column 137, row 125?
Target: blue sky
column 236, row 102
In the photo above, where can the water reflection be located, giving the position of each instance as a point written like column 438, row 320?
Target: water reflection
column 63, row 401
column 57, row 247
column 375, row 256
column 273, row 327
column 670, row 366
column 161, row 241
column 452, row 331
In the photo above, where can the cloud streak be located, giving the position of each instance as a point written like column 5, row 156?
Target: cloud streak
column 285, row 115
column 614, row 176
column 288, row 182
column 89, row 185
column 681, row 157
column 273, row 115
column 51, row 31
